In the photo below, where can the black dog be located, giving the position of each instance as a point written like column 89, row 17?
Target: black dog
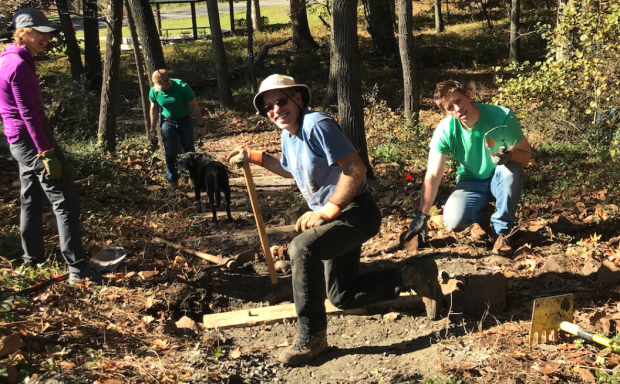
column 208, row 176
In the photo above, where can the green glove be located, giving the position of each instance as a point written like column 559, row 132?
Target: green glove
column 51, row 163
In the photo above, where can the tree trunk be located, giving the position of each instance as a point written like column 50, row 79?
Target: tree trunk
column 221, row 69
column 151, row 47
column 92, row 48
column 111, row 74
column 515, row 24
column 349, row 77
column 73, row 49
column 380, row 26
column 149, row 37
column 231, row 11
column 561, row 41
column 257, row 21
column 438, row 20
column 302, row 38
column 486, row 14
column 250, row 33
column 331, row 97
column 407, row 58
column 448, row 8
column 142, row 80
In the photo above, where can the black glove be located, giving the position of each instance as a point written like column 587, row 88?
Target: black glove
column 502, row 156
column 417, row 226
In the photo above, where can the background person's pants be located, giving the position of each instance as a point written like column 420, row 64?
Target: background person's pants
column 469, row 202
column 326, row 259
column 61, row 193
column 173, row 133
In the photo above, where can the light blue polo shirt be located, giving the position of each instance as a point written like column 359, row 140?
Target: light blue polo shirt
column 311, row 155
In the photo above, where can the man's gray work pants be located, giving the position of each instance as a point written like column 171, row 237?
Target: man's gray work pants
column 61, row 193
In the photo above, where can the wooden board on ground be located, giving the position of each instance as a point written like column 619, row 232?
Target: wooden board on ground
column 276, row 313
column 269, row 181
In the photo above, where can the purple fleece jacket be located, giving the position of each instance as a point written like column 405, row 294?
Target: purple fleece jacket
column 20, row 97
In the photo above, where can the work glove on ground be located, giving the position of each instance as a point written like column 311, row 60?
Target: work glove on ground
column 502, row 156
column 317, row 218
column 52, row 165
column 417, row 227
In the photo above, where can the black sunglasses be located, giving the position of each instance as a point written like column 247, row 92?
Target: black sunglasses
column 280, row 103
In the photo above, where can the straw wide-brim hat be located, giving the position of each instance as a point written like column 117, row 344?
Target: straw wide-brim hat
column 279, row 82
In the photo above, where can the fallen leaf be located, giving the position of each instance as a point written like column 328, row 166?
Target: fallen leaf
column 161, row 344
column 586, row 375
column 517, row 341
column 119, row 276
column 283, row 344
column 146, row 275
column 546, row 368
column 236, row 353
column 67, row 366
column 148, row 319
column 149, row 302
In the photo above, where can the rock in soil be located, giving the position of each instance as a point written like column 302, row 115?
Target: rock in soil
column 557, row 264
column 609, row 274
column 485, row 292
column 591, row 267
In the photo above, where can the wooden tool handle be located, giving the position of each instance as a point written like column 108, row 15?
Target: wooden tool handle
column 229, row 263
column 258, row 215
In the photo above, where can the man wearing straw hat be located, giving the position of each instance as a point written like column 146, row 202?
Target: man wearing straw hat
column 325, row 256
column 488, row 143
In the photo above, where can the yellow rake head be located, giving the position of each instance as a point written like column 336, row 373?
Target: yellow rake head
column 548, row 314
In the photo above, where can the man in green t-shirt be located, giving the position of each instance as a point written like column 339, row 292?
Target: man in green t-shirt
column 488, row 143
column 176, row 100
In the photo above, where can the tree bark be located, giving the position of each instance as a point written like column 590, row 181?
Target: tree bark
column 231, row 12
column 73, row 49
column 142, row 80
column 349, row 77
column 486, row 14
column 149, row 37
column 257, row 21
column 438, row 20
column 221, row 68
column 380, row 26
column 302, row 38
column 515, row 24
column 407, row 58
column 331, row 97
column 250, row 33
column 111, row 74
column 92, row 48
column 562, row 44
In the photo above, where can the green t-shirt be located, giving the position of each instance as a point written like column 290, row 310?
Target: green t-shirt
column 174, row 103
column 469, row 146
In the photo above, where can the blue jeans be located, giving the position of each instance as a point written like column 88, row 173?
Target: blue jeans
column 173, row 132
column 326, row 260
column 469, row 202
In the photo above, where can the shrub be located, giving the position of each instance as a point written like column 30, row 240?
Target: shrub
column 576, row 86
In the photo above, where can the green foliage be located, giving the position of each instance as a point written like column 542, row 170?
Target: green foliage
column 392, row 138
column 604, row 378
column 241, row 23
column 572, row 95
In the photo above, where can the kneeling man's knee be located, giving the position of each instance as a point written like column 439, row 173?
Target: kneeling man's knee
column 296, row 249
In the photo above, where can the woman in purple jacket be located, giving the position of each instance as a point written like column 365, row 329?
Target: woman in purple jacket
column 42, row 166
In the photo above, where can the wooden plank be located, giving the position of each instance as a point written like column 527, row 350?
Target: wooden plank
column 277, row 313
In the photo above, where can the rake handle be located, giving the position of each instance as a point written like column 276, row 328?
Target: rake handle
column 576, row 330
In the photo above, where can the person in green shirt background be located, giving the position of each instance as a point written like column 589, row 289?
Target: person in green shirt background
column 489, row 144
column 178, row 103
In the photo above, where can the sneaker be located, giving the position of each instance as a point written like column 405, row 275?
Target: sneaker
column 421, row 275
column 503, row 246
column 93, row 275
column 480, row 232
column 304, row 350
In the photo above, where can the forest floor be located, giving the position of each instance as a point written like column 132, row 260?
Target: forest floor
column 129, row 330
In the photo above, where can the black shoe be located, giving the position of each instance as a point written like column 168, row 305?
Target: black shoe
column 304, row 350
column 422, row 276
column 93, row 275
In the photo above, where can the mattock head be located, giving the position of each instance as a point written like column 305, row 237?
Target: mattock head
column 547, row 315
